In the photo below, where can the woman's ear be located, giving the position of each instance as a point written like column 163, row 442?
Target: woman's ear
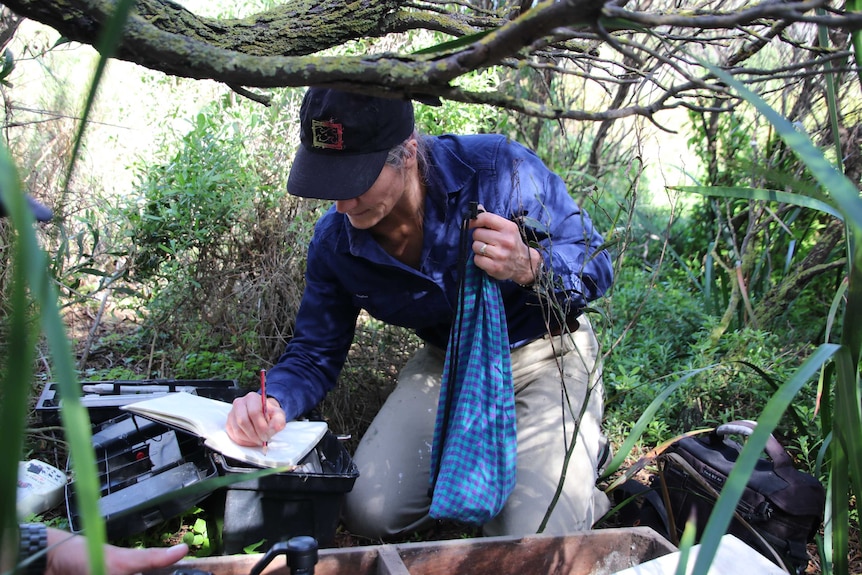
column 411, row 148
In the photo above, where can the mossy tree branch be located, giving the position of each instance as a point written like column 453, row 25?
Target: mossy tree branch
column 280, row 47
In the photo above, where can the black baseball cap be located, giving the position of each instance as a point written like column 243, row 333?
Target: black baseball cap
column 344, row 141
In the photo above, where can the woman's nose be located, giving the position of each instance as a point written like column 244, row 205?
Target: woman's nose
column 342, row 206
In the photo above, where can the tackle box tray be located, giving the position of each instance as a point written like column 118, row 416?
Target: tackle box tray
column 138, row 461
column 105, row 404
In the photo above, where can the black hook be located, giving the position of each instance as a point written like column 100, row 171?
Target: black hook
column 300, row 552
column 473, row 210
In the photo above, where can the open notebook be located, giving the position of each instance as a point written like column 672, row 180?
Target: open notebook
column 207, row 418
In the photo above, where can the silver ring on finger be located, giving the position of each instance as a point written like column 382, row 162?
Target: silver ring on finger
column 482, row 249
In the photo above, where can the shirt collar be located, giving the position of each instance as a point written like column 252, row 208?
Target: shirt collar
column 447, row 173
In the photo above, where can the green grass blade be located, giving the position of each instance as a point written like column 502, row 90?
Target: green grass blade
column 831, row 98
column 709, row 290
column 18, row 376
column 856, row 38
column 847, row 422
column 110, row 39
column 643, row 421
column 686, row 542
column 31, row 264
column 843, row 192
column 76, row 421
column 837, row 519
column 76, row 424
column 846, row 453
column 199, row 489
column 764, row 195
column 722, row 514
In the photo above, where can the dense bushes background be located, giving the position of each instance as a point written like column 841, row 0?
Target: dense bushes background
column 203, row 255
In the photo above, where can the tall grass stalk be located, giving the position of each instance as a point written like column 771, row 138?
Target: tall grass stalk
column 17, row 378
column 30, row 267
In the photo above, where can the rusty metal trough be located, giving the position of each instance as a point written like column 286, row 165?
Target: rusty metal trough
column 597, row 552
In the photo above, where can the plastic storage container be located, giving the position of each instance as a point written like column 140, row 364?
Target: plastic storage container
column 277, row 507
column 106, row 404
column 142, row 461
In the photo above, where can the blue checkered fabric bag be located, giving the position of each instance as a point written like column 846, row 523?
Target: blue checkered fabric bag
column 475, row 442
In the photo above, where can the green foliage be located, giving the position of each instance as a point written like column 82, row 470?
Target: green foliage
column 723, row 142
column 195, row 200
column 194, row 528
column 454, row 118
column 217, row 240
column 206, row 364
column 668, row 315
column 219, row 252
column 750, row 232
column 7, row 67
column 660, row 329
column 119, row 373
column 197, row 538
column 254, row 547
column 843, row 459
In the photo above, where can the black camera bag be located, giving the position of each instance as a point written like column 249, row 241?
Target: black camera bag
column 779, row 512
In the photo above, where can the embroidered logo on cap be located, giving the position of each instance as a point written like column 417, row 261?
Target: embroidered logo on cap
column 327, row 134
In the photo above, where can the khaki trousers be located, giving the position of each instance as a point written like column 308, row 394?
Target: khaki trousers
column 390, row 495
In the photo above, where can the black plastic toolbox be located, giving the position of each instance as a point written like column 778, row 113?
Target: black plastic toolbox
column 139, row 460
column 277, row 507
column 106, row 405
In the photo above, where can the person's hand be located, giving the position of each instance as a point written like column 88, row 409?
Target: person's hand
column 501, row 252
column 67, row 555
column 247, row 425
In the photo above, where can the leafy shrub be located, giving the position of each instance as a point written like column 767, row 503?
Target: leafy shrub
column 217, row 239
column 658, row 331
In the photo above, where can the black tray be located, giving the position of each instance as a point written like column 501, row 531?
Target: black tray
column 106, row 406
column 277, row 507
column 138, row 460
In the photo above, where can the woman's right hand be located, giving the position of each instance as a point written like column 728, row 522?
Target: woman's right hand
column 246, row 423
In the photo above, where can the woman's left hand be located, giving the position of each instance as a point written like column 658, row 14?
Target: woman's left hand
column 501, row 252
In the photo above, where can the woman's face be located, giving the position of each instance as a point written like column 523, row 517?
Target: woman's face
column 366, row 211
column 370, row 208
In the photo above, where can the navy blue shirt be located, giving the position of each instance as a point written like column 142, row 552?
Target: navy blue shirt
column 347, row 270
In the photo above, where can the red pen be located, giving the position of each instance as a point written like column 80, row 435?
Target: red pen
column 263, row 400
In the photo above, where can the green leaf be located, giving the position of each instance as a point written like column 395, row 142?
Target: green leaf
column 8, row 65
column 762, row 195
column 453, row 44
column 254, row 547
column 200, row 526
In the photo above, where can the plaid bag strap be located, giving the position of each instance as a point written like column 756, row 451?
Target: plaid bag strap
column 455, row 334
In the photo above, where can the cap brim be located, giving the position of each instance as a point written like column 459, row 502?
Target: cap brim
column 328, row 177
